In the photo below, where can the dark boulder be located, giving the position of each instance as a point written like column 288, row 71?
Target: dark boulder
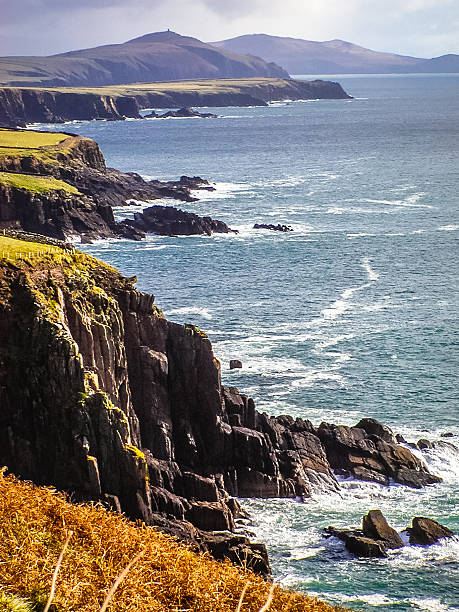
column 239, row 550
column 426, row 531
column 211, row 516
column 375, row 526
column 365, row 547
column 357, row 543
column 374, row 427
column 235, row 363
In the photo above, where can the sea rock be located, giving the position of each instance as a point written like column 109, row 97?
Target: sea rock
column 171, row 221
column 375, row 526
column 186, row 111
column 275, row 228
column 426, row 531
column 128, row 408
column 358, row 544
column 352, row 451
column 235, row 363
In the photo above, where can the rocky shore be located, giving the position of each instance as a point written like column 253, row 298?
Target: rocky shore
column 104, row 398
column 76, row 191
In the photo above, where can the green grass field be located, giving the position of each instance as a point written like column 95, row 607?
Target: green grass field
column 36, row 184
column 12, row 249
column 27, row 143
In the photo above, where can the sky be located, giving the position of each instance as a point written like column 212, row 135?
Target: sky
column 422, row 28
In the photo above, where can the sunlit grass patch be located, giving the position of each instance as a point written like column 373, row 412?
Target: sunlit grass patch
column 35, row 183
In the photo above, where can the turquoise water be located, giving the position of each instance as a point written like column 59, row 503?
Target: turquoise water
column 352, row 314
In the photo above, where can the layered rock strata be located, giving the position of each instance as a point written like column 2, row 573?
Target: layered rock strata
column 103, row 397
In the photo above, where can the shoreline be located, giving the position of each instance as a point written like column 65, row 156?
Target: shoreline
column 20, row 106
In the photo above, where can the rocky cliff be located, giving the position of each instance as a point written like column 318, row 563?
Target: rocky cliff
column 103, row 397
column 20, row 106
column 64, row 189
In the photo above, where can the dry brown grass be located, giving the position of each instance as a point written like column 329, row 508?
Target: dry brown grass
column 36, row 522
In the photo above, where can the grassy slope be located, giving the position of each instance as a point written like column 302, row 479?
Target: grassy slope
column 36, row 184
column 35, row 522
column 44, row 147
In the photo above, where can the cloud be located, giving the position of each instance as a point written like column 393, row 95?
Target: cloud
column 413, row 27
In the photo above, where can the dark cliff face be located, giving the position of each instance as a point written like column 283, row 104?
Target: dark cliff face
column 102, row 396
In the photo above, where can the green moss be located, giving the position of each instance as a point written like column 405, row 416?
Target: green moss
column 36, row 184
column 135, row 451
column 196, row 330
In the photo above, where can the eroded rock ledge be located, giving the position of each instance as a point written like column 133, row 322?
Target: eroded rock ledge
column 101, row 396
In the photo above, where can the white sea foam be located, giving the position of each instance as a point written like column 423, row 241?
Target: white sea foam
column 409, row 202
column 191, row 310
column 449, row 228
column 432, row 605
column 372, row 275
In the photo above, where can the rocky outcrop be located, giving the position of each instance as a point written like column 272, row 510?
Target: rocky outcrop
column 170, row 221
column 354, row 452
column 376, row 536
column 86, row 210
column 357, row 543
column 103, row 397
column 184, row 112
column 426, row 531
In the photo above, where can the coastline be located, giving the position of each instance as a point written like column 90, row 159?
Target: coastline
column 20, row 106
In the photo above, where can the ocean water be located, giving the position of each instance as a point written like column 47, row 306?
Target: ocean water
column 352, row 314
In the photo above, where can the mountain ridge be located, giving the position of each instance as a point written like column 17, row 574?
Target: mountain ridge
column 301, row 56
column 158, row 56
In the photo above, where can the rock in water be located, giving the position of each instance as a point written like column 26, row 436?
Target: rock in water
column 375, row 526
column 274, row 228
column 357, row 543
column 426, row 531
column 365, row 547
column 235, row 363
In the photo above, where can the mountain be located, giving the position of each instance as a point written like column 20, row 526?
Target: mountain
column 161, row 56
column 300, row 56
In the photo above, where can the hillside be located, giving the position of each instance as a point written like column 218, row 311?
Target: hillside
column 160, row 56
column 35, row 523
column 300, row 56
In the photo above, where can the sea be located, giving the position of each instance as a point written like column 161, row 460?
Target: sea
column 352, row 314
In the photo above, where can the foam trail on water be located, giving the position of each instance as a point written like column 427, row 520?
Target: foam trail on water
column 372, row 275
column 202, row 312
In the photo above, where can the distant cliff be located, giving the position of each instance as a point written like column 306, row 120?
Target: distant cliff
column 20, row 106
column 101, row 396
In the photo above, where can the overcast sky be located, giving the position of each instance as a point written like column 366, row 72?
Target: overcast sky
column 424, row 28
